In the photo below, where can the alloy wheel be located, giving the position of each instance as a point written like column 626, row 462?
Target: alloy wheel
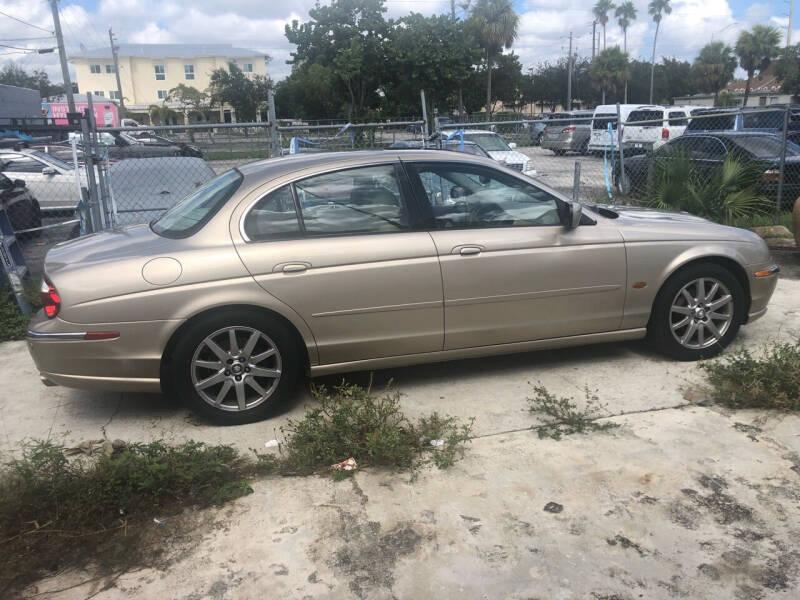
column 701, row 313
column 236, row 368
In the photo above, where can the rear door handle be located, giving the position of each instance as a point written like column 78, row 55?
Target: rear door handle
column 294, row 268
column 469, row 250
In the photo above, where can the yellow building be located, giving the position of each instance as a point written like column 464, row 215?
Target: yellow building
column 149, row 71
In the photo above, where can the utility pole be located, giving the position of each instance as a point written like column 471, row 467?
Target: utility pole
column 62, row 54
column 453, row 9
column 594, row 30
column 569, row 74
column 116, row 72
column 789, row 26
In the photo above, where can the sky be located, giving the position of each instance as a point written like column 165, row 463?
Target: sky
column 259, row 24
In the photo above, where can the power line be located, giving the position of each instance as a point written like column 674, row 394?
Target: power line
column 25, row 22
column 23, row 39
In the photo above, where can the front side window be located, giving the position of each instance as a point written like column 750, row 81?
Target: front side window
column 475, row 196
column 94, row 69
column 160, row 73
column 362, row 200
column 21, row 164
column 188, row 71
column 273, row 217
column 43, row 156
column 194, row 211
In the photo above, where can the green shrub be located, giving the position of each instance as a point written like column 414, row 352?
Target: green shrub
column 769, row 380
column 14, row 324
column 563, row 417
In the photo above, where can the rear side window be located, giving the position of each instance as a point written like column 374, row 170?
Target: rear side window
column 645, row 118
column 273, row 217
column 677, row 118
column 763, row 120
column 190, row 214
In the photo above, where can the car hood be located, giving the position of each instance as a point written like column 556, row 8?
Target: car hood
column 637, row 224
column 511, row 157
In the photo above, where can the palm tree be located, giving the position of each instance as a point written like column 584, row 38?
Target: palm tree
column 610, row 71
column 656, row 8
column 713, row 68
column 756, row 49
column 494, row 25
column 625, row 13
column 600, row 12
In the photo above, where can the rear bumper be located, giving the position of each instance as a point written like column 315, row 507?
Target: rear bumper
column 560, row 144
column 129, row 363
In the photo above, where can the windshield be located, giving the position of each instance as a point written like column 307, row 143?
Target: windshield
column 766, row 146
column 52, row 160
column 190, row 214
column 491, row 142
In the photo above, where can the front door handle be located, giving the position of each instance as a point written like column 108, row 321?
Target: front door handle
column 469, row 250
column 294, row 268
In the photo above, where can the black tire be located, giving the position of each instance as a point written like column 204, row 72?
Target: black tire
column 660, row 333
column 191, row 340
column 35, row 220
column 559, row 152
column 585, row 148
column 539, row 138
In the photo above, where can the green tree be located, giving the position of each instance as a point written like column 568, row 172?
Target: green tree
column 600, row 12
column 788, row 70
column 756, row 49
column 713, row 68
column 657, row 9
column 349, row 36
column 610, row 71
column 160, row 114
column 12, row 74
column 673, row 79
column 625, row 13
column 494, row 25
column 189, row 99
column 244, row 94
column 309, row 92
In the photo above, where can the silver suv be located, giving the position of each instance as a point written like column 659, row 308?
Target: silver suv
column 568, row 132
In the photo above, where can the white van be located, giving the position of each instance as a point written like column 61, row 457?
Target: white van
column 599, row 140
column 649, row 127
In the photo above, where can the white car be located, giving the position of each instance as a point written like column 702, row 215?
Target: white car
column 497, row 149
column 51, row 180
column 600, row 140
column 649, row 127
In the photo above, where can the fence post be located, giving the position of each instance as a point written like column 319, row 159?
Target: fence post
column 576, row 182
column 424, row 116
column 623, row 183
column 779, row 195
column 100, row 205
column 88, row 161
column 273, row 124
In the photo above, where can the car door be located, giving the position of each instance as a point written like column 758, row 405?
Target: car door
column 707, row 154
column 339, row 248
column 511, row 272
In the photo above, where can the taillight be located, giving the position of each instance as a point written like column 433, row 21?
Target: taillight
column 51, row 301
column 664, row 133
column 568, row 129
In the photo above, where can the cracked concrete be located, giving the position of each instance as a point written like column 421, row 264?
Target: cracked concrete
column 680, row 501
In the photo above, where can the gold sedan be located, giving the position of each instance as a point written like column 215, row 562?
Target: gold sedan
column 337, row 262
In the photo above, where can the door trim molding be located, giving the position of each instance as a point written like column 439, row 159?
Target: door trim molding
column 377, row 309
column 533, row 295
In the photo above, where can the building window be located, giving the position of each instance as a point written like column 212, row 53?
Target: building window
column 113, row 94
column 160, row 74
column 773, row 99
column 762, row 101
column 247, row 67
column 99, row 94
column 162, row 94
column 110, row 69
column 188, row 71
column 94, row 68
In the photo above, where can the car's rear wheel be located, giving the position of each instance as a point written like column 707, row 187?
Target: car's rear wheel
column 236, row 368
column 697, row 312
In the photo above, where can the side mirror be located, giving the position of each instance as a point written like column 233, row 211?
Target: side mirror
column 49, row 171
column 574, row 214
column 513, row 145
column 19, row 183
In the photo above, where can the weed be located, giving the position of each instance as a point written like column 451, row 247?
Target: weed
column 351, row 421
column 770, row 380
column 562, row 415
column 57, row 513
column 13, row 324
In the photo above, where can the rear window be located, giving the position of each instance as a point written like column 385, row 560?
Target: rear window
column 677, row 118
column 190, row 214
column 763, row 120
column 712, row 122
column 766, row 146
column 655, row 117
column 602, row 120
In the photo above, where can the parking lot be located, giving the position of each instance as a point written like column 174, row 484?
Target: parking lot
column 682, row 500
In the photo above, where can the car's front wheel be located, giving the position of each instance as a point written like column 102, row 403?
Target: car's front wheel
column 236, row 369
column 697, row 312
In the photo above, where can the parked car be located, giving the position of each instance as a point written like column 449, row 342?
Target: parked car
column 537, row 128
column 148, row 138
column 497, row 148
column 121, row 145
column 649, row 127
column 20, row 206
column 454, row 145
column 600, row 140
column 51, row 180
column 568, row 132
column 766, row 120
column 707, row 151
column 326, row 263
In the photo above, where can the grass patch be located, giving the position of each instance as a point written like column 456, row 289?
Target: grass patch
column 57, row 513
column 14, row 324
column 784, row 218
column 562, row 416
column 770, row 379
column 351, row 421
